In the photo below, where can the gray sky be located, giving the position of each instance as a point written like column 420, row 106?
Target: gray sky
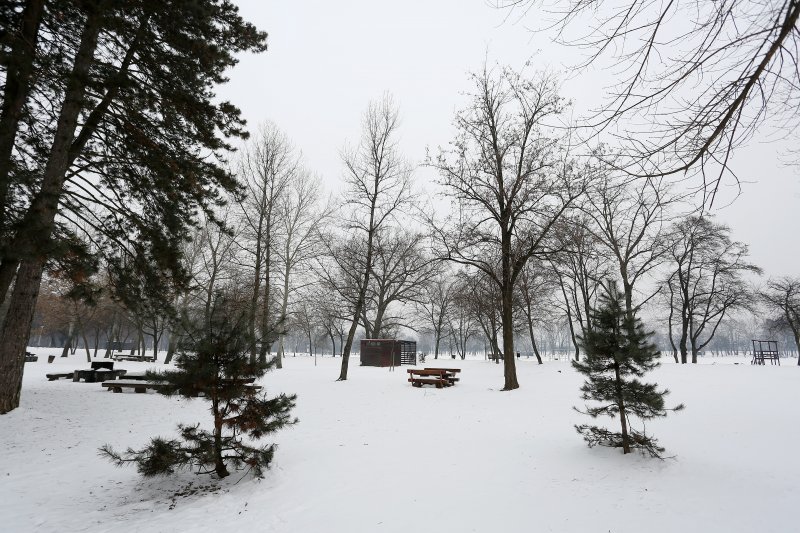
column 327, row 59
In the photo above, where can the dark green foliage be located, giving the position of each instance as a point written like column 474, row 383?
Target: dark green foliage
column 618, row 354
column 214, row 362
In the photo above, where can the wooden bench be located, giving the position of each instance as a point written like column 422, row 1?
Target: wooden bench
column 138, row 376
column 133, row 357
column 142, row 386
column 436, row 377
column 137, row 386
column 30, row 357
column 55, row 376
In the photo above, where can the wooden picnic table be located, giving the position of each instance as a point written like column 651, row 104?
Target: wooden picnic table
column 449, row 373
column 428, row 376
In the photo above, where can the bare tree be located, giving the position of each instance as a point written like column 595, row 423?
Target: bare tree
column 485, row 306
column 535, row 286
column 268, row 166
column 704, row 282
column 696, row 79
column 580, row 265
column 461, row 326
column 400, row 272
column 629, row 218
column 782, row 296
column 378, row 186
column 434, row 306
column 301, row 218
column 504, row 174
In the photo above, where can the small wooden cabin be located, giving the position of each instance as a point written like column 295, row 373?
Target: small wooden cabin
column 388, row 352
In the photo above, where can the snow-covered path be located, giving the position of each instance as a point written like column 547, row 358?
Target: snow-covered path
column 375, row 455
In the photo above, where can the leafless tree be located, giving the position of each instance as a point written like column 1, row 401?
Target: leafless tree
column 535, row 286
column 485, row 306
column 504, row 173
column 782, row 295
column 580, row 265
column 434, row 306
column 400, row 272
column 378, row 187
column 268, row 166
column 705, row 282
column 461, row 326
column 696, row 78
column 628, row 219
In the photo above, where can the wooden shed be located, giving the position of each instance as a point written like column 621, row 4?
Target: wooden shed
column 388, row 352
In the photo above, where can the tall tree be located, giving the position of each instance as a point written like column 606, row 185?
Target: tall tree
column 782, row 295
column 378, row 187
column 504, row 176
column 301, row 221
column 705, row 282
column 131, row 145
column 268, row 167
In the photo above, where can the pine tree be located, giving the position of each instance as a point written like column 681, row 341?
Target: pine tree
column 214, row 361
column 618, row 353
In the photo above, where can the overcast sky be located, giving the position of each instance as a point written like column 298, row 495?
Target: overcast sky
column 327, row 59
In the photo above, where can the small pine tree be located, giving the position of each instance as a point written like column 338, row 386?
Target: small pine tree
column 214, row 360
column 618, row 353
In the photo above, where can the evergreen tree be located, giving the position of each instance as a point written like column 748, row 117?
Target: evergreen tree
column 109, row 120
column 214, row 361
column 618, row 353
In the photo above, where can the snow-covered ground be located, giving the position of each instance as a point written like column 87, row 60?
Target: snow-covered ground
column 373, row 454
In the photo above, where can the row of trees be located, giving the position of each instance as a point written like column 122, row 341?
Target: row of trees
column 533, row 236
column 115, row 179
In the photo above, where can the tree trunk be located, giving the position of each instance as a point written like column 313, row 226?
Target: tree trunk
column 626, row 448
column 171, row 347
column 38, row 223
column 70, row 336
column 16, row 329
column 507, row 318
column 219, row 464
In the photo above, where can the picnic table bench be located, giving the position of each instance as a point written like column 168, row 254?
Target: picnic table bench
column 436, row 377
column 31, row 357
column 133, row 357
column 141, row 386
column 58, row 375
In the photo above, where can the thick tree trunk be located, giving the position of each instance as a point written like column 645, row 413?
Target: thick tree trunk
column 507, row 310
column 38, row 222
column 15, row 332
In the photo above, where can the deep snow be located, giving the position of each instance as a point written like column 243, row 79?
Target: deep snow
column 373, row 454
